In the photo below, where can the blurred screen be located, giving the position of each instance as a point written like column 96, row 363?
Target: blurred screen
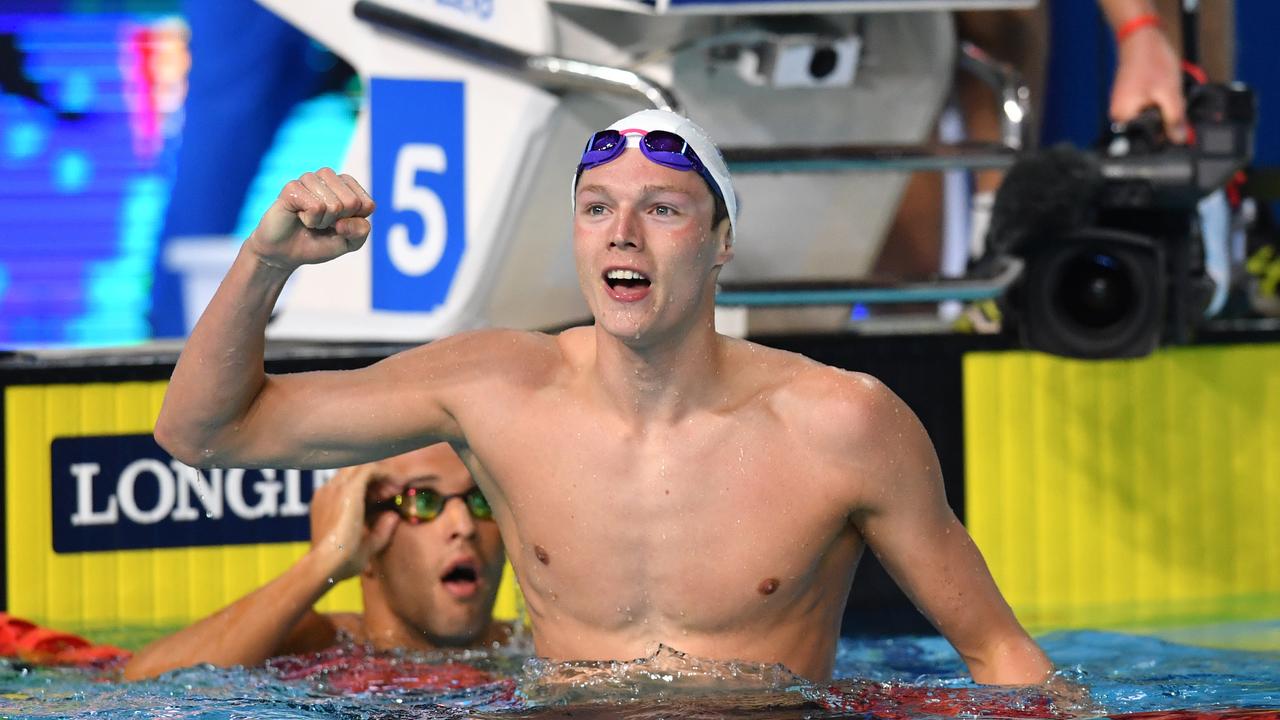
column 90, row 100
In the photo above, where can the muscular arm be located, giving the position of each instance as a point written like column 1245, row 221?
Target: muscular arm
column 247, row 632
column 902, row 513
column 222, row 409
column 277, row 618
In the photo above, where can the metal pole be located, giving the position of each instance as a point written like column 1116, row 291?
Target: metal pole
column 1189, row 19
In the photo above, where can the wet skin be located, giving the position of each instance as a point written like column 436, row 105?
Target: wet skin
column 425, row 586
column 434, row 583
column 655, row 482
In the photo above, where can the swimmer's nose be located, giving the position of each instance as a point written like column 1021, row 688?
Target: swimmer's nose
column 457, row 519
column 626, row 231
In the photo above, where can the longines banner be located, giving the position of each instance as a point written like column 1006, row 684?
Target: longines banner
column 104, row 529
column 124, row 492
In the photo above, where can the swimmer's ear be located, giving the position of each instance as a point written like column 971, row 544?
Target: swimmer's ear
column 724, row 242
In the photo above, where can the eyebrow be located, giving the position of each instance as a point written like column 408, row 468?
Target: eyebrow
column 593, row 188
column 644, row 190
column 429, row 479
column 652, row 189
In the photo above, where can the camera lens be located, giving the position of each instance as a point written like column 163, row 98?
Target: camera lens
column 823, row 62
column 1095, row 291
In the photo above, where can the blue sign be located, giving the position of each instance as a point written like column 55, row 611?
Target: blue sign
column 419, row 163
column 124, row 492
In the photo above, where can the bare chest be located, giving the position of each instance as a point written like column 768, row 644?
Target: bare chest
column 705, row 524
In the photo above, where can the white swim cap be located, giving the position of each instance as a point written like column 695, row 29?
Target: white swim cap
column 707, row 152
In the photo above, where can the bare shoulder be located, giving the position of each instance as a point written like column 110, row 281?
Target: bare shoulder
column 348, row 623
column 496, row 344
column 317, row 631
column 577, row 346
column 508, row 356
column 842, row 410
column 857, row 426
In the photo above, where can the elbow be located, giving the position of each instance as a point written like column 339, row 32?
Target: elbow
column 184, row 445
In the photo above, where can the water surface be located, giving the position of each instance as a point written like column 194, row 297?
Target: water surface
column 906, row 678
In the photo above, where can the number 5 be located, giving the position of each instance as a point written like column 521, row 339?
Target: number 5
column 409, row 257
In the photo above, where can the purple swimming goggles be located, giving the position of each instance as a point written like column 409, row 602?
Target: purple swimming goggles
column 659, row 146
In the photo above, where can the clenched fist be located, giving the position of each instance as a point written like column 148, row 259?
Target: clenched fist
column 316, row 218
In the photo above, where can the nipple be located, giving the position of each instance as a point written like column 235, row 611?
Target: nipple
column 767, row 586
column 541, row 553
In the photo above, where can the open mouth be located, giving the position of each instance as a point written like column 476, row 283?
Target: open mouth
column 627, row 284
column 461, row 579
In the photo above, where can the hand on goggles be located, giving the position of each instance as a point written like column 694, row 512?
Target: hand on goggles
column 417, row 505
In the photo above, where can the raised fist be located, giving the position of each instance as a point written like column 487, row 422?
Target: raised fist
column 316, row 218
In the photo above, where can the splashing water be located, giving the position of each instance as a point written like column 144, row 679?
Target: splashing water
column 883, row 679
column 665, row 674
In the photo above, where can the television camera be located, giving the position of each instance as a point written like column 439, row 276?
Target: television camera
column 1114, row 241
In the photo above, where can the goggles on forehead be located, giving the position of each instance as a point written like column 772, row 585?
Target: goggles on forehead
column 417, row 505
column 659, row 146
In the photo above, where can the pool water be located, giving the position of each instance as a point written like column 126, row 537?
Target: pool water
column 905, row 678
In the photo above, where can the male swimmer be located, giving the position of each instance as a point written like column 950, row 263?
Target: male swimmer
column 420, row 535
column 654, row 481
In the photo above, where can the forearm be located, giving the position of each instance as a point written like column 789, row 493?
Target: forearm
column 1148, row 70
column 944, row 573
column 1119, row 12
column 220, row 372
column 982, row 627
column 1013, row 659
column 981, row 624
column 247, row 632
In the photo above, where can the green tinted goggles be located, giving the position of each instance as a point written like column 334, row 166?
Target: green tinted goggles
column 417, row 505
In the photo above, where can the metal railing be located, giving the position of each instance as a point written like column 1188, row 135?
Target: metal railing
column 559, row 73
column 547, row 71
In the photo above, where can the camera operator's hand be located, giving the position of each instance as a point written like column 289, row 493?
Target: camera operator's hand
column 1148, row 72
column 316, row 218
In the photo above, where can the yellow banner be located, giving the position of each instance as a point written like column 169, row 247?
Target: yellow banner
column 1127, row 493
column 162, row 587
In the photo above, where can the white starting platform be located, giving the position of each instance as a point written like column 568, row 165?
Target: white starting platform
column 476, row 112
